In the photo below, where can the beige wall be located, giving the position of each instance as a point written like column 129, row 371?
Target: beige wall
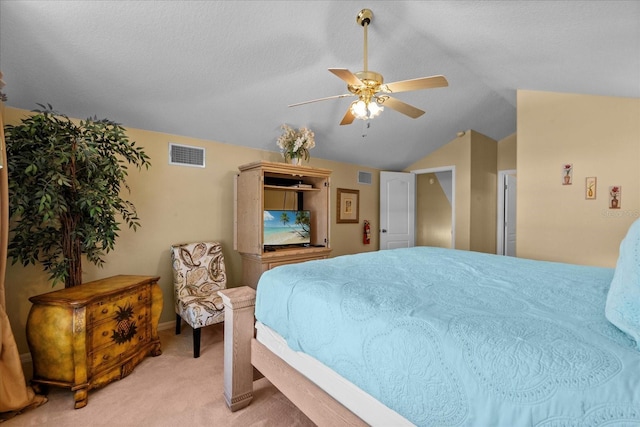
column 484, row 185
column 474, row 156
column 507, row 153
column 180, row 204
column 347, row 238
column 601, row 137
column 456, row 153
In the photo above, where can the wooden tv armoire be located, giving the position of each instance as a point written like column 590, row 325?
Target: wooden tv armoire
column 264, row 186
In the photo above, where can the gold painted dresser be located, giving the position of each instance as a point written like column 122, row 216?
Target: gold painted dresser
column 90, row 335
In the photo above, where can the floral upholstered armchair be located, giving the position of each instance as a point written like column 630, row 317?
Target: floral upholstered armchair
column 198, row 275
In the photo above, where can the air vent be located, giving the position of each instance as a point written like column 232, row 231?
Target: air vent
column 364, row 177
column 185, row 155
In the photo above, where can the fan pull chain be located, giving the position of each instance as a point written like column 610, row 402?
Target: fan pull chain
column 366, row 124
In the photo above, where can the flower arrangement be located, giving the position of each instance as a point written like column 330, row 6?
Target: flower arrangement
column 296, row 143
column 614, row 201
column 568, row 169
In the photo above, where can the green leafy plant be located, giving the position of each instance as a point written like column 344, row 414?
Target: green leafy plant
column 65, row 185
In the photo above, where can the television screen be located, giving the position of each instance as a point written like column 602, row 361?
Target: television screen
column 282, row 228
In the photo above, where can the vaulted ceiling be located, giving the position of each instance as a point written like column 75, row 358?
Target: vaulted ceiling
column 227, row 70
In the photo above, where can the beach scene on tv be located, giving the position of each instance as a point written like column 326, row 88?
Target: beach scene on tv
column 286, row 228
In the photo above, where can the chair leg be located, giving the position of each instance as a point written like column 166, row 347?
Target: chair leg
column 178, row 323
column 196, row 342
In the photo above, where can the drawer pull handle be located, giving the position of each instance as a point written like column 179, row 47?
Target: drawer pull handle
column 105, row 310
column 140, row 317
column 105, row 357
column 140, row 297
column 105, row 333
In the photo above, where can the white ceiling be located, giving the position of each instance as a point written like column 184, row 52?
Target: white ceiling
column 226, row 70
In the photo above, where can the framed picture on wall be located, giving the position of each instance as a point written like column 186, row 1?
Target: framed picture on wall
column 615, row 195
column 567, row 174
column 348, row 205
column 590, row 187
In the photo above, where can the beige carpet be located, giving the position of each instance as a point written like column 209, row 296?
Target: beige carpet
column 173, row 389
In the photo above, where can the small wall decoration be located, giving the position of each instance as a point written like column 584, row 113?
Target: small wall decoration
column 348, row 206
column 615, row 194
column 567, row 174
column 590, row 188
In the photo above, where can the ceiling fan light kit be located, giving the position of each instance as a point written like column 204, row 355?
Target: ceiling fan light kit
column 370, row 89
column 365, row 111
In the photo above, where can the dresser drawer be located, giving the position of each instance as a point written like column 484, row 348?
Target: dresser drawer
column 113, row 307
column 293, row 261
column 122, row 329
column 112, row 354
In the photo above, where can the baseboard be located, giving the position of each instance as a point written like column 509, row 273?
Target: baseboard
column 166, row 325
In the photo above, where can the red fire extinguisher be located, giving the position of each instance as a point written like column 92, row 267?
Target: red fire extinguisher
column 366, row 238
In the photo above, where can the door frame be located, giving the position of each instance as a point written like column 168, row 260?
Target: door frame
column 451, row 169
column 500, row 216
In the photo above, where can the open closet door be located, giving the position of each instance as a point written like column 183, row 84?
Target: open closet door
column 510, row 215
column 506, row 228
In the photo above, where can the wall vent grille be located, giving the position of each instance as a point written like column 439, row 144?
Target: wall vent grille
column 364, row 177
column 185, row 155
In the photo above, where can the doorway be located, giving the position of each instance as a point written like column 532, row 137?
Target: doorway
column 435, row 207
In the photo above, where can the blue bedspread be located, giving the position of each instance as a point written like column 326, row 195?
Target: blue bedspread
column 447, row 337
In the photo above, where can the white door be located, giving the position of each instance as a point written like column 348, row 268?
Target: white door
column 397, row 210
column 510, row 215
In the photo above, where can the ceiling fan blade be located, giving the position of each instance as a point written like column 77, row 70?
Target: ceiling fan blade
column 347, row 76
column 348, row 117
column 415, row 84
column 400, row 106
column 322, row 99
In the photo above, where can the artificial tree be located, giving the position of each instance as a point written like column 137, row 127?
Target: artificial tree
column 65, row 183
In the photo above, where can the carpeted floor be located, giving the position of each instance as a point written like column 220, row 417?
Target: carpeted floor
column 172, row 389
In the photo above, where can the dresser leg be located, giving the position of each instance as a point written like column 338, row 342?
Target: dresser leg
column 156, row 350
column 41, row 389
column 81, row 397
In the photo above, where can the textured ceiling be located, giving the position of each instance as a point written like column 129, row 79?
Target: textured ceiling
column 226, row 70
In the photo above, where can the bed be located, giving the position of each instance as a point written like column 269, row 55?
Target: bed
column 431, row 336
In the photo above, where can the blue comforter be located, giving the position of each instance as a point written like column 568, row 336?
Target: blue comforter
column 447, row 337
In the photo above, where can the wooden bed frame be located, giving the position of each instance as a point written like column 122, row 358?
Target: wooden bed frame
column 242, row 352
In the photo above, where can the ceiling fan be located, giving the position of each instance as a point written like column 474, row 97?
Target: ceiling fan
column 371, row 90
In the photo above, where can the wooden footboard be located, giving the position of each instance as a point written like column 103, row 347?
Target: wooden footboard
column 242, row 352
